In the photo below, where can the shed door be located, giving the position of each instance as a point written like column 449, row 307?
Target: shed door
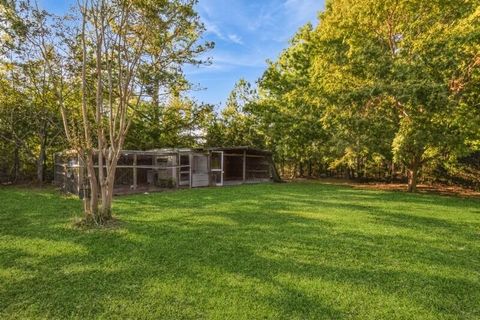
column 217, row 167
column 200, row 171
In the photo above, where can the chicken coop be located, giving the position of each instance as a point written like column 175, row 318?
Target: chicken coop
column 159, row 169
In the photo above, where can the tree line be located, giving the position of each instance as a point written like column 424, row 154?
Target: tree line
column 375, row 90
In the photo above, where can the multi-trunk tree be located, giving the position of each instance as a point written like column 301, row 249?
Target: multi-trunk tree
column 116, row 41
column 95, row 69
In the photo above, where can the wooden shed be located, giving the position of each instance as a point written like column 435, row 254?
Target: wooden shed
column 158, row 169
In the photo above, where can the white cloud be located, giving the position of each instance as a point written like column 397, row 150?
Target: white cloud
column 247, row 33
column 225, row 61
column 235, row 38
column 212, row 28
column 264, row 17
column 239, row 60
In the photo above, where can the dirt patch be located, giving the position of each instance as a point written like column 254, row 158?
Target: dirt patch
column 422, row 188
column 440, row 189
column 82, row 224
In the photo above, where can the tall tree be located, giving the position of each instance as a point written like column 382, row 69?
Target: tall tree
column 403, row 55
column 289, row 110
column 24, row 53
column 118, row 39
column 236, row 125
column 177, row 122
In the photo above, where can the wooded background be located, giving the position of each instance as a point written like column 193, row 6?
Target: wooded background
column 377, row 90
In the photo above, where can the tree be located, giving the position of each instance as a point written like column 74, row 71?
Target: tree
column 403, row 55
column 289, row 110
column 178, row 122
column 24, row 54
column 15, row 131
column 236, row 125
column 118, row 39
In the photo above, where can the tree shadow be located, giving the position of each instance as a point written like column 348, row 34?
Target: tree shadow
column 234, row 253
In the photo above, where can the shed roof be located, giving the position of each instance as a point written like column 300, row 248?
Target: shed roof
column 241, row 148
column 185, row 150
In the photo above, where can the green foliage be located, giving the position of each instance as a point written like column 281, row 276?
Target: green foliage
column 377, row 89
column 34, row 131
column 180, row 122
column 15, row 133
column 391, row 80
column 274, row 251
column 288, row 107
column 94, row 84
column 236, row 125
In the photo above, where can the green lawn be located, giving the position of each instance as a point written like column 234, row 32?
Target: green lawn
column 276, row 251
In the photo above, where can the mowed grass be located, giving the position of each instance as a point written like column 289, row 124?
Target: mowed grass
column 275, row 251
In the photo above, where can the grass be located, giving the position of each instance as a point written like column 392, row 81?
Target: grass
column 275, row 251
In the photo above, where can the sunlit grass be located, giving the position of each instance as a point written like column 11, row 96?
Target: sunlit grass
column 278, row 251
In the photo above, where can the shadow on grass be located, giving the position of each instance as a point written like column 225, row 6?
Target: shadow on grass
column 238, row 253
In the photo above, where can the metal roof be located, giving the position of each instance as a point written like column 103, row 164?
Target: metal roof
column 241, row 148
column 186, row 150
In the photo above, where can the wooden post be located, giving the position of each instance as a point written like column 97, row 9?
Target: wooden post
column 190, row 159
column 135, row 171
column 209, row 168
column 244, row 165
column 177, row 169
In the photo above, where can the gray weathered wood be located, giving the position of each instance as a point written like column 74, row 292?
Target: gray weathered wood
column 134, row 172
column 244, row 165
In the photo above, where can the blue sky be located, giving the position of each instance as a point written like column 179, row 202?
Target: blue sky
column 246, row 34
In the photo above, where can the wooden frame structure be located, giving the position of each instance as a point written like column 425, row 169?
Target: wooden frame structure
column 159, row 169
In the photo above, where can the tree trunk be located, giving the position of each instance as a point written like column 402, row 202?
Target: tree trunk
column 392, row 172
column 156, row 101
column 92, row 206
column 358, row 168
column 41, row 158
column 412, row 180
column 16, row 163
column 42, row 134
column 412, row 173
column 41, row 165
column 350, row 173
column 107, row 192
